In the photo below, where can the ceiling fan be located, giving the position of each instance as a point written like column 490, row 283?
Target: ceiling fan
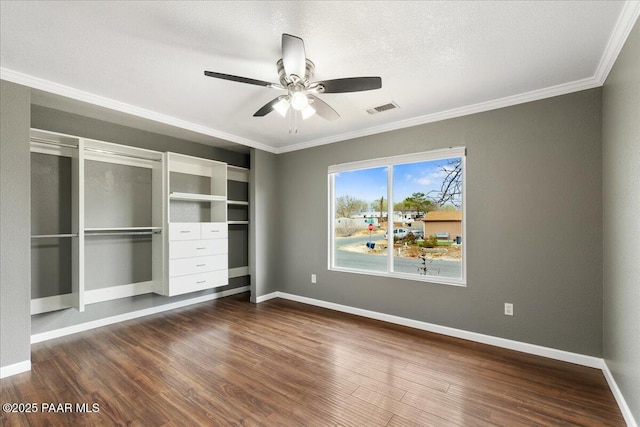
column 295, row 72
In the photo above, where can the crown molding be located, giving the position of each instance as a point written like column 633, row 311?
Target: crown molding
column 79, row 95
column 624, row 25
column 480, row 107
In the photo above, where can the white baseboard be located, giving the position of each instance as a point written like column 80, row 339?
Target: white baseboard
column 16, row 368
column 267, row 297
column 552, row 353
column 622, row 403
column 56, row 333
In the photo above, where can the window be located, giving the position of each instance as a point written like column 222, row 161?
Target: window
column 420, row 235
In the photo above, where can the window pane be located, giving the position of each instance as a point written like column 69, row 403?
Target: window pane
column 427, row 218
column 360, row 200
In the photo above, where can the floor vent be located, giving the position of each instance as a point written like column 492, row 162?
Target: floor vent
column 380, row 108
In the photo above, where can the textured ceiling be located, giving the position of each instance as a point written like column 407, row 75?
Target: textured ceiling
column 436, row 59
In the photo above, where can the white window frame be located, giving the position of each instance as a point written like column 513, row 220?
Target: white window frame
column 389, row 162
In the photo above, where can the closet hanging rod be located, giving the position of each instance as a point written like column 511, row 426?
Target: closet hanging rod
column 49, row 236
column 56, row 143
column 122, row 233
column 117, row 153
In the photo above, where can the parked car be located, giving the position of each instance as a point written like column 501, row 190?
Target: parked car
column 418, row 233
column 398, row 233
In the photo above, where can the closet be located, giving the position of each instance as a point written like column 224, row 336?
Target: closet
column 112, row 221
column 123, row 220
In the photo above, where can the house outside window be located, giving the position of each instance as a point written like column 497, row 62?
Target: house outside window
column 420, row 235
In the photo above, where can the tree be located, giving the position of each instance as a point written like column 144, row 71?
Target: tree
column 380, row 205
column 400, row 206
column 418, row 202
column 451, row 188
column 346, row 227
column 349, row 205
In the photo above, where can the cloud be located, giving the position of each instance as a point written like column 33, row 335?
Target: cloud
column 422, row 181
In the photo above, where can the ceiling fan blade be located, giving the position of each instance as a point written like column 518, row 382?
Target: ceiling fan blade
column 350, row 84
column 323, row 109
column 267, row 108
column 239, row 79
column 293, row 56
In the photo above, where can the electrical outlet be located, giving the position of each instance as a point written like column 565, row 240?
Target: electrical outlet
column 508, row 309
column 313, row 278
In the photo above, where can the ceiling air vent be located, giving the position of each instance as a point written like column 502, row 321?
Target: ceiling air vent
column 380, row 108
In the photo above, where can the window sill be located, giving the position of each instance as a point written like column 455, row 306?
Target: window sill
column 413, row 277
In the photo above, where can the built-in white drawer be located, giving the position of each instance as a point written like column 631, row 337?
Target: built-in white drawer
column 184, row 231
column 214, row 230
column 196, row 248
column 201, row 264
column 196, row 282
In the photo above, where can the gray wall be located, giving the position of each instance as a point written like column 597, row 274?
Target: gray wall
column 264, row 209
column 621, row 203
column 534, row 231
column 15, row 229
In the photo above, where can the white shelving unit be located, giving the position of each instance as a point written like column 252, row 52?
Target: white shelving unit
column 196, row 210
column 238, row 220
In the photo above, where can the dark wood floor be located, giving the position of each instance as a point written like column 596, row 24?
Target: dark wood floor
column 229, row 362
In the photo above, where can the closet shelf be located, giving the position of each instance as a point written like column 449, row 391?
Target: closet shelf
column 237, row 222
column 197, row 197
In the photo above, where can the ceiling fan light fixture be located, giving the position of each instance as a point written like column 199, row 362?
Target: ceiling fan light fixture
column 307, row 112
column 282, row 106
column 299, row 101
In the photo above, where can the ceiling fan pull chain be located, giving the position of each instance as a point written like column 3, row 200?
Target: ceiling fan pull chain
column 293, row 120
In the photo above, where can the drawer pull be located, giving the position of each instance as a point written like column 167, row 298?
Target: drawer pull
column 199, row 249
column 202, row 281
column 214, row 231
column 185, row 231
column 200, row 265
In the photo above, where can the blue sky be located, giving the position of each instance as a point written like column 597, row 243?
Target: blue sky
column 371, row 184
